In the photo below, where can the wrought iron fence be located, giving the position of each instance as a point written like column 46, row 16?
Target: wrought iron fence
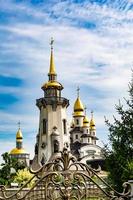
column 66, row 179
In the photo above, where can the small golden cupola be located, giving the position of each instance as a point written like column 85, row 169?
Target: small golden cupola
column 92, row 122
column 19, row 143
column 19, row 152
column 85, row 120
column 78, row 106
column 52, row 83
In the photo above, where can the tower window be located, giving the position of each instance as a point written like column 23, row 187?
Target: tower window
column 77, row 121
column 64, row 126
column 76, row 136
column 87, row 130
column 56, row 146
column 44, row 126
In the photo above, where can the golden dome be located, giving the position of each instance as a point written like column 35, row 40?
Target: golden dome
column 78, row 106
column 52, row 84
column 86, row 121
column 78, row 114
column 18, row 151
column 92, row 123
column 19, row 134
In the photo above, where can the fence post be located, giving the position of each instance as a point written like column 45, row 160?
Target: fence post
column 131, row 183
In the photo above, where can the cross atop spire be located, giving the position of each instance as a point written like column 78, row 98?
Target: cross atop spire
column 92, row 114
column 85, row 108
column 78, row 89
column 51, row 43
column 52, row 73
column 19, row 123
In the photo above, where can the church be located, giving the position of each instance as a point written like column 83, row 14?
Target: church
column 54, row 131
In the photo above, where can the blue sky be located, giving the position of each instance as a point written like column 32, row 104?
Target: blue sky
column 93, row 50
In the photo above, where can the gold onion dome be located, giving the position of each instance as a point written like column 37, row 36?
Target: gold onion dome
column 18, row 151
column 52, row 84
column 19, row 138
column 92, row 123
column 19, row 134
column 85, row 121
column 78, row 108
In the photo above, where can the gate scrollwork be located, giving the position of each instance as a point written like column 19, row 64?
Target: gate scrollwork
column 64, row 178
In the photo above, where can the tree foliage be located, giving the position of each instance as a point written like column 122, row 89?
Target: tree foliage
column 23, row 176
column 8, row 169
column 119, row 160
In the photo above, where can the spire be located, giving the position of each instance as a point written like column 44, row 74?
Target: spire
column 85, row 120
column 78, row 89
column 19, row 135
column 78, row 106
column 52, row 82
column 85, row 108
column 92, row 122
column 52, row 72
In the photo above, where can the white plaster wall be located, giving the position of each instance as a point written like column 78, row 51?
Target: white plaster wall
column 54, row 118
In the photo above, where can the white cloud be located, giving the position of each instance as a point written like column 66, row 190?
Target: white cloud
column 100, row 58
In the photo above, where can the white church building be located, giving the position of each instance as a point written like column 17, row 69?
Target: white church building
column 54, row 133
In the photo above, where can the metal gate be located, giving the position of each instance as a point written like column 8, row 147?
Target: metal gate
column 66, row 179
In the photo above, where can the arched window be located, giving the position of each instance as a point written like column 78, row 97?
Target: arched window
column 77, row 121
column 44, row 126
column 56, row 146
column 76, row 136
column 64, row 126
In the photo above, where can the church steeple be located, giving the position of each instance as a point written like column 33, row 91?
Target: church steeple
column 92, row 122
column 52, row 72
column 78, row 106
column 52, row 86
column 53, row 132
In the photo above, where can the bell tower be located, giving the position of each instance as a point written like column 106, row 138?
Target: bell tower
column 53, row 131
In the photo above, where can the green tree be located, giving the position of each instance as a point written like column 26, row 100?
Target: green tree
column 8, row 169
column 23, row 176
column 119, row 160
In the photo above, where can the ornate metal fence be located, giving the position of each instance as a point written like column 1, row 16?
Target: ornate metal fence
column 66, row 179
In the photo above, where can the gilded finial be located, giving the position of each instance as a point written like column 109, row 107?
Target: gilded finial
column 51, row 43
column 19, row 123
column 85, row 108
column 92, row 114
column 78, row 89
column 52, row 73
